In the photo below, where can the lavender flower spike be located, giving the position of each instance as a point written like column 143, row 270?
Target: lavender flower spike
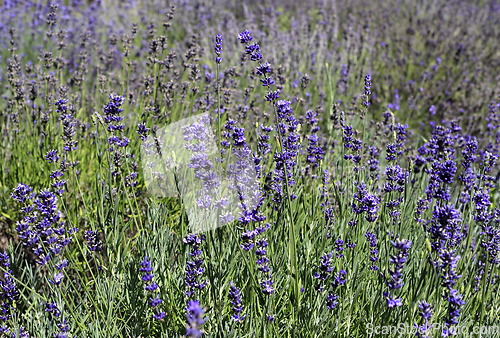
column 194, row 315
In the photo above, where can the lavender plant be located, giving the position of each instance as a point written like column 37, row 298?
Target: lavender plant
column 359, row 139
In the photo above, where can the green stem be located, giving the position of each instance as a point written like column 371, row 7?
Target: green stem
column 291, row 234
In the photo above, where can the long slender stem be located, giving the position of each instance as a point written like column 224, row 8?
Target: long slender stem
column 292, row 244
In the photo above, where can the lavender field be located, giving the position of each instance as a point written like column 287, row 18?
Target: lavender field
column 321, row 168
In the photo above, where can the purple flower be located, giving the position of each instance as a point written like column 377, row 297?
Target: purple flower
column 372, row 241
column 194, row 268
column 62, row 324
column 445, row 227
column 367, row 203
column 61, row 106
column 396, row 177
column 331, row 301
column 425, row 310
column 285, row 159
column 69, row 125
column 314, row 151
column 325, row 270
column 396, row 280
column 52, row 308
column 267, row 81
column 391, row 152
column 57, row 279
column 93, row 241
column 194, row 316
column 52, row 156
column 42, row 228
column 22, row 193
column 236, row 303
column 394, row 302
column 9, row 294
column 273, row 96
column 368, row 87
column 256, row 56
column 113, row 109
column 142, row 130
column 151, row 286
column 252, row 48
column 245, row 37
column 158, row 315
column 218, row 48
column 155, row 301
column 263, row 69
column 267, row 285
column 146, row 269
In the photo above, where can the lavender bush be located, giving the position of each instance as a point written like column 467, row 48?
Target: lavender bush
column 359, row 139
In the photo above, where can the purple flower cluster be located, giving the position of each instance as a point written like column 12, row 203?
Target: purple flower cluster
column 445, row 228
column 391, row 151
column 62, row 323
column 218, row 48
column 112, row 111
column 366, row 203
column 339, row 247
column 252, row 49
column 314, row 151
column 395, row 184
column 113, row 122
column 400, row 136
column 440, row 148
column 373, row 163
column 447, row 264
column 468, row 177
column 142, row 130
column 285, row 160
column 396, row 280
column 93, row 241
column 58, row 184
column 338, row 280
column 197, row 137
column 425, row 311
column 490, row 232
column 263, row 148
column 325, row 272
column 195, row 320
column 42, row 228
column 151, row 287
column 326, row 206
column 350, row 142
column 261, row 251
column 396, row 177
column 9, row 295
column 368, row 87
column 372, row 241
column 236, row 303
column 194, row 268
column 243, row 173
column 67, row 119
column 247, row 237
column 286, row 125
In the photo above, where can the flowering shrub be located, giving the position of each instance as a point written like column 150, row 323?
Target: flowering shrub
column 338, row 168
